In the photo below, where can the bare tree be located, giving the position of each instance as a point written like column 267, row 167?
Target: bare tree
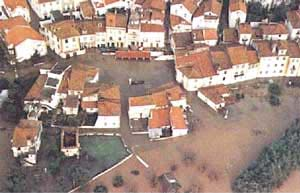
column 188, row 158
column 152, row 178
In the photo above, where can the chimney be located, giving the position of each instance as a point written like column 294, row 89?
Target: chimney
column 274, row 47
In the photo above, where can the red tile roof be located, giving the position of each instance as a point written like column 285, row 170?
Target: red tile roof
column 196, row 65
column 159, row 118
column 35, row 91
column 237, row 5
column 215, row 93
column 19, row 34
column 177, row 118
column 26, row 130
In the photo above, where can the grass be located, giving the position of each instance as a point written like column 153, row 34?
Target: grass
column 104, row 148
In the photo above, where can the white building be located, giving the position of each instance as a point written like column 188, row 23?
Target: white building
column 109, row 114
column 26, row 141
column 273, row 58
column 237, row 12
column 16, row 8
column 245, row 34
column 205, row 36
column 179, row 25
column 116, row 25
column 152, row 36
column 71, row 105
column 274, row 31
column 165, row 122
column 141, row 106
column 183, row 9
column 22, row 41
column 207, row 15
column 64, row 39
column 293, row 24
column 214, row 96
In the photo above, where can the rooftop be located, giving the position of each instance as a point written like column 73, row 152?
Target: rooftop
column 26, row 130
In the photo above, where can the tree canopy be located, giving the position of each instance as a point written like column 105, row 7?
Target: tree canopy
column 273, row 165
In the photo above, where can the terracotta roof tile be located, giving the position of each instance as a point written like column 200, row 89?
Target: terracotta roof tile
column 89, row 104
column 116, row 20
column 19, row 34
column 159, row 118
column 245, row 28
column 147, row 27
column 24, row 131
column 13, row 4
column 237, row 55
column 35, row 91
column 176, row 20
column 108, row 108
column 273, row 29
column 87, row 9
column 79, row 75
column 206, row 6
column 215, row 93
column 9, row 23
column 196, row 65
column 71, row 101
column 141, row 100
column 177, row 118
column 294, row 18
column 190, row 5
column 236, row 5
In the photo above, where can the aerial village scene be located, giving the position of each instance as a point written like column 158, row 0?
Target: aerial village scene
column 180, row 96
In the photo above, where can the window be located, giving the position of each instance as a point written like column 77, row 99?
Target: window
column 66, row 40
column 224, row 78
column 282, row 64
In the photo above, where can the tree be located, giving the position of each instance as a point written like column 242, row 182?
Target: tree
column 118, row 181
column 256, row 12
column 294, row 4
column 274, row 89
column 273, row 165
column 274, row 100
column 16, row 180
column 279, row 13
column 4, row 84
column 77, row 174
column 100, row 189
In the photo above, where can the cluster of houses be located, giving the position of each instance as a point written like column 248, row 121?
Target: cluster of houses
column 206, row 61
column 69, row 27
column 75, row 88
column 164, row 110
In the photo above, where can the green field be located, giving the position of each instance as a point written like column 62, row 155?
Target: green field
column 108, row 149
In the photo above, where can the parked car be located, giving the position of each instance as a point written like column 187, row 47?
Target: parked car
column 135, row 82
column 295, row 82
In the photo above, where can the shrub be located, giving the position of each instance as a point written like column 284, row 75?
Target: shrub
column 4, row 84
column 274, row 100
column 118, row 181
column 100, row 189
column 135, row 172
column 173, row 167
column 274, row 89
